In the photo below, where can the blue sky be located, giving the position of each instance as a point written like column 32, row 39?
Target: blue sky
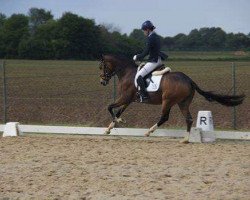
column 169, row 16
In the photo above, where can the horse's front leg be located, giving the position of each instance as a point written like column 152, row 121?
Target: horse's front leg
column 119, row 112
column 115, row 118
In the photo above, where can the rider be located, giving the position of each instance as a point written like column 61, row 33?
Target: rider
column 154, row 60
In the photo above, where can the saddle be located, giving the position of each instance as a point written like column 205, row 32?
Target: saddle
column 160, row 70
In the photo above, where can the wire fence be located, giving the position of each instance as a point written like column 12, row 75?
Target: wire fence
column 69, row 92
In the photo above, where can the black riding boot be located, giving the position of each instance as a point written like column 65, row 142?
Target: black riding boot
column 143, row 93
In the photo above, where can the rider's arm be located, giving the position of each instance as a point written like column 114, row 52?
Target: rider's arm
column 163, row 55
column 145, row 52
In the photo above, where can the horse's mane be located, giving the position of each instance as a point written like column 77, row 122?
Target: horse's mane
column 126, row 61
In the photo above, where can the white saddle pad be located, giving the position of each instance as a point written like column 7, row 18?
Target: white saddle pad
column 155, row 80
column 154, row 83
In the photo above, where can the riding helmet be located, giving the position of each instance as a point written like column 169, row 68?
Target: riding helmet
column 147, row 25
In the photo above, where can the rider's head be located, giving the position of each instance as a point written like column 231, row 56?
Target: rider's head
column 147, row 27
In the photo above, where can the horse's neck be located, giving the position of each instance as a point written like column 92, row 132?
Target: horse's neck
column 126, row 73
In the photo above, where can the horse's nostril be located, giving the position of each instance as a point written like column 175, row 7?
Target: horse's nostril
column 103, row 82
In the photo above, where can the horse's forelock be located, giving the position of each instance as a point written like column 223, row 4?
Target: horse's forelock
column 102, row 57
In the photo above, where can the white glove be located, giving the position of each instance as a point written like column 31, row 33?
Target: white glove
column 135, row 57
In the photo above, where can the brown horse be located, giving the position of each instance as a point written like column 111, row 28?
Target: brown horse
column 175, row 88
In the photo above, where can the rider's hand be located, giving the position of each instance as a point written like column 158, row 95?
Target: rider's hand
column 135, row 57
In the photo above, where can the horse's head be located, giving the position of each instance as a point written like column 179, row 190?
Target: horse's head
column 108, row 70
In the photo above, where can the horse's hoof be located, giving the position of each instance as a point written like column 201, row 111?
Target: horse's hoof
column 147, row 134
column 184, row 141
column 107, row 132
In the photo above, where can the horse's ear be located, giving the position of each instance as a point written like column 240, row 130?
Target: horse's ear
column 101, row 57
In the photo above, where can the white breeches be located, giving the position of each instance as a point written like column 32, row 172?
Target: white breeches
column 147, row 68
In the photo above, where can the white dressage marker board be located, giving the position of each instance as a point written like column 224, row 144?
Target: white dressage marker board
column 205, row 121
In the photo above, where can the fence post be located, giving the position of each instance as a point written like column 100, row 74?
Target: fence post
column 234, row 122
column 4, row 94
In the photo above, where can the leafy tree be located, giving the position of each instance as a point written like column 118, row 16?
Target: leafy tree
column 138, row 35
column 116, row 43
column 39, row 36
column 194, row 40
column 14, row 30
column 2, row 45
column 47, row 31
column 216, row 40
column 168, row 43
column 207, row 39
column 38, row 17
column 111, row 27
column 237, row 41
column 80, row 36
column 180, row 41
column 108, row 45
column 33, row 48
column 2, row 19
column 125, row 45
column 41, row 45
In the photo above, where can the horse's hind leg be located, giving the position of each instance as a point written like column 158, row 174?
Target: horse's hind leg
column 164, row 117
column 184, row 107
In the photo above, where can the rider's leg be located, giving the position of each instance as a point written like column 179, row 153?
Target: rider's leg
column 141, row 84
column 149, row 67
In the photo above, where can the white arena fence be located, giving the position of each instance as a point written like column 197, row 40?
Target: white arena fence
column 136, row 132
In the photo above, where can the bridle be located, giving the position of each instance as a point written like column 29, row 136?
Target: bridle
column 107, row 74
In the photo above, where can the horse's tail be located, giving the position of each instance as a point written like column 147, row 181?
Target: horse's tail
column 226, row 100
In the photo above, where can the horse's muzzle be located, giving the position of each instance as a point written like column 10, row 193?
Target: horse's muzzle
column 104, row 82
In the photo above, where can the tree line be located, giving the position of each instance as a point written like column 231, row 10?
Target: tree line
column 38, row 35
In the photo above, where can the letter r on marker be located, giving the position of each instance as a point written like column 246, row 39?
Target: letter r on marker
column 203, row 120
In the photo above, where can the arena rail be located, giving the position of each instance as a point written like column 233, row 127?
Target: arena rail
column 42, row 129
